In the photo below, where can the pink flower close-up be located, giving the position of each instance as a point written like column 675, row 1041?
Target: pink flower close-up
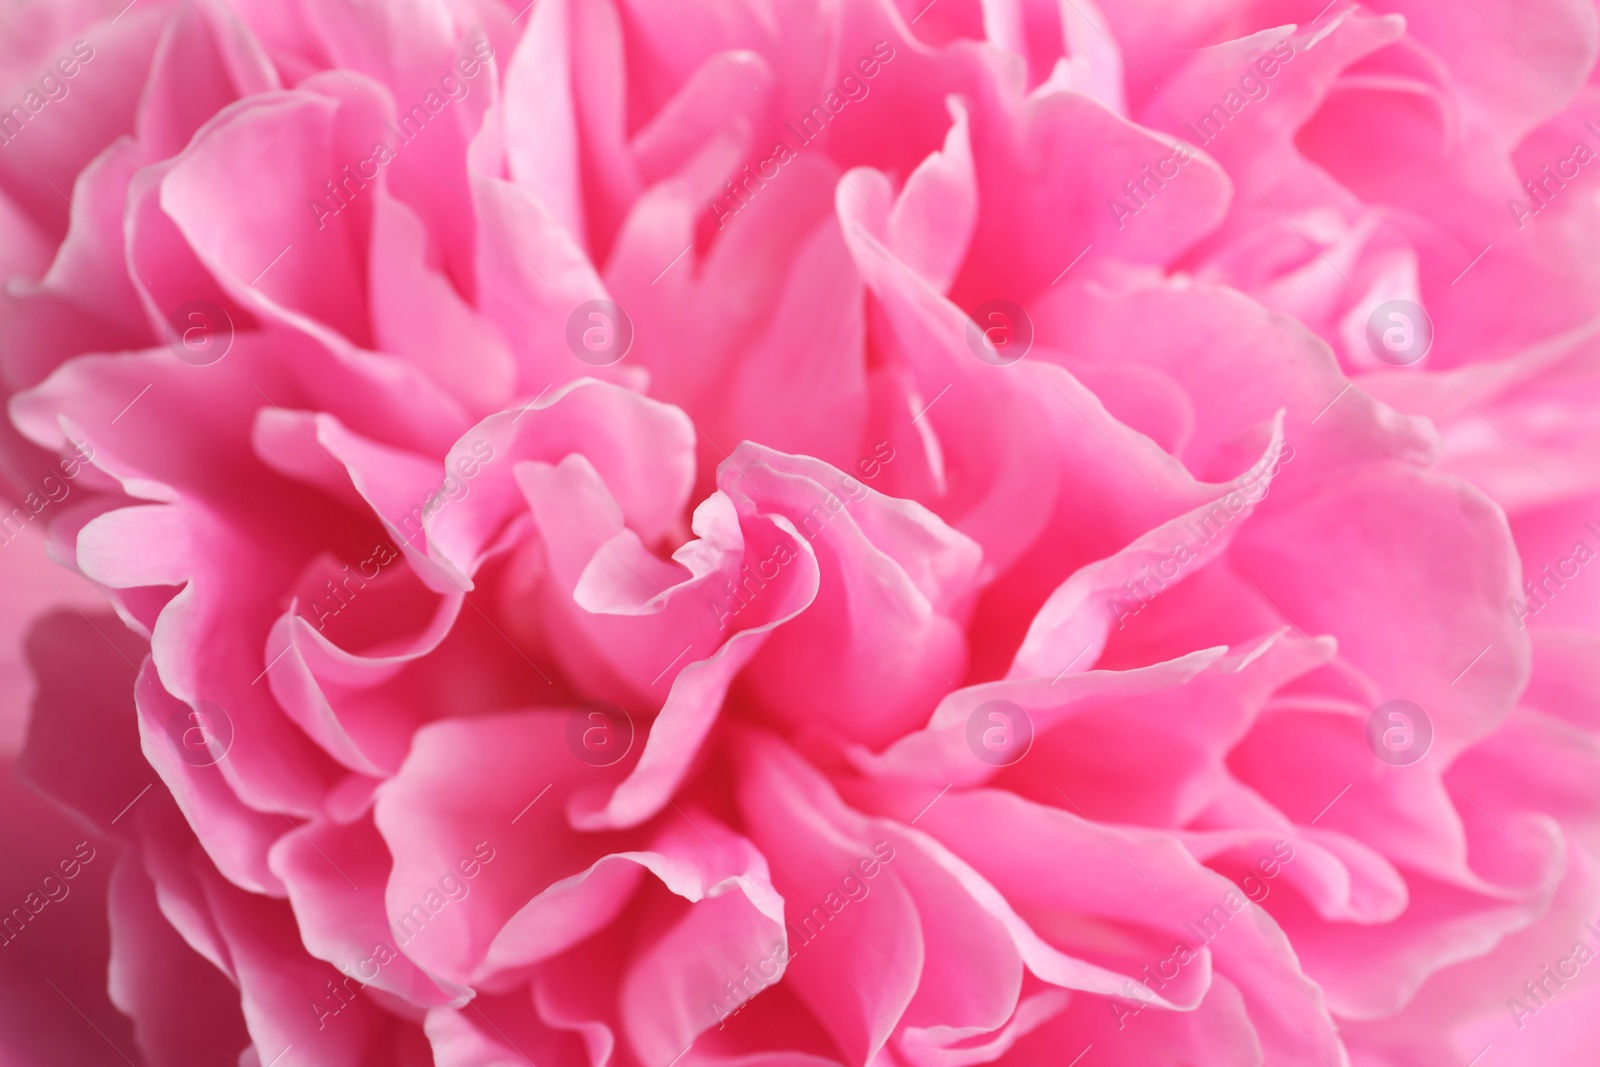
column 800, row 533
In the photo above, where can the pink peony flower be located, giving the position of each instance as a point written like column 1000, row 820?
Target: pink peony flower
column 702, row 533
